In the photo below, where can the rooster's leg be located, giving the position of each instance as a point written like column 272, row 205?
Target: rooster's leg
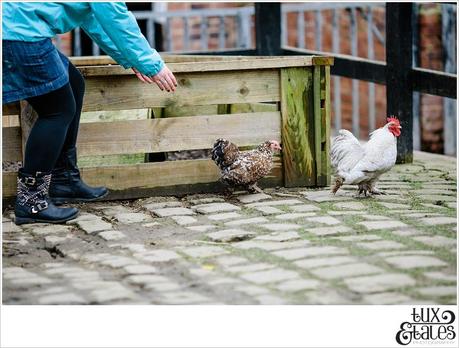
column 375, row 191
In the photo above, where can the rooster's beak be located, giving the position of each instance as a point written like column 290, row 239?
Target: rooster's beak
column 399, row 127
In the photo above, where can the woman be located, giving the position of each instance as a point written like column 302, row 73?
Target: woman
column 35, row 71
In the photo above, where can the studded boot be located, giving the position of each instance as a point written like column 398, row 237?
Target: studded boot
column 66, row 184
column 33, row 203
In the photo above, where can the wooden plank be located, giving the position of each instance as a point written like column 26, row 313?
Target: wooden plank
column 172, row 177
column 317, row 125
column 11, row 144
column 298, row 127
column 326, row 119
column 168, row 58
column 10, row 121
column 194, row 57
column 176, row 134
column 399, row 55
column 223, row 65
column 126, row 92
column 253, row 107
column 11, row 109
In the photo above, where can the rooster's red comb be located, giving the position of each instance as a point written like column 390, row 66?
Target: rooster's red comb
column 393, row 119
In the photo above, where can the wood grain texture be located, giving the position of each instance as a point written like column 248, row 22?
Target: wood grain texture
column 177, row 133
column 168, row 58
column 10, row 121
column 130, row 181
column 203, row 65
column 11, row 109
column 12, row 144
column 298, row 127
column 317, row 125
column 228, row 87
column 325, row 105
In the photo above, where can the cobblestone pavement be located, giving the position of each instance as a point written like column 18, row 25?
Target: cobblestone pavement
column 286, row 246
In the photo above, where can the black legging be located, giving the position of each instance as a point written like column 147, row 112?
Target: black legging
column 56, row 129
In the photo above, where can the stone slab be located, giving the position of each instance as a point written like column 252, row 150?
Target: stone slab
column 380, row 282
column 230, row 235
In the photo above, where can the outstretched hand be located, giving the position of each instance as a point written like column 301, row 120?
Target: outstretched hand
column 165, row 79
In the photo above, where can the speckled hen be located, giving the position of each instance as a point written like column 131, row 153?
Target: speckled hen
column 244, row 168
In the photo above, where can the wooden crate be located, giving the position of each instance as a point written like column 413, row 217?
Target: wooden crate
column 298, row 89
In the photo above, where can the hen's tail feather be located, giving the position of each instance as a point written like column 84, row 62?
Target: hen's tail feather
column 218, row 153
column 338, row 183
column 224, row 153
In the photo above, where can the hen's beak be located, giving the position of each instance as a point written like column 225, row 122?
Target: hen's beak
column 399, row 127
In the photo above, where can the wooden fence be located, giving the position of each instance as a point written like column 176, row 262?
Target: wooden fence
column 296, row 88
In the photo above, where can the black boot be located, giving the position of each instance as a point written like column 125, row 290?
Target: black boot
column 66, row 183
column 33, row 203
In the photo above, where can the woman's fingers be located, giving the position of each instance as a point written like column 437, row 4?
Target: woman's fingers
column 169, row 82
column 172, row 77
column 160, row 84
column 165, row 79
column 139, row 76
column 148, row 79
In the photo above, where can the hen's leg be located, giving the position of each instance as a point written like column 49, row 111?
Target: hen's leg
column 338, row 183
column 254, row 189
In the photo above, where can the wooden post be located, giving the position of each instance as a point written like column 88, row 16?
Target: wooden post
column 322, row 124
column 298, row 135
column 268, row 28
column 399, row 89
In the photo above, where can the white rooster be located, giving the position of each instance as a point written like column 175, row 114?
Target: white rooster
column 362, row 165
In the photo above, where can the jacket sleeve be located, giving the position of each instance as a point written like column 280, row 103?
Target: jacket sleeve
column 92, row 27
column 122, row 29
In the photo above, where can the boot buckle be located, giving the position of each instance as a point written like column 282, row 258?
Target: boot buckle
column 39, row 207
column 29, row 180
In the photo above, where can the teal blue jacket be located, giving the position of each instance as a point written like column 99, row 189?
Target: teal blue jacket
column 109, row 24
